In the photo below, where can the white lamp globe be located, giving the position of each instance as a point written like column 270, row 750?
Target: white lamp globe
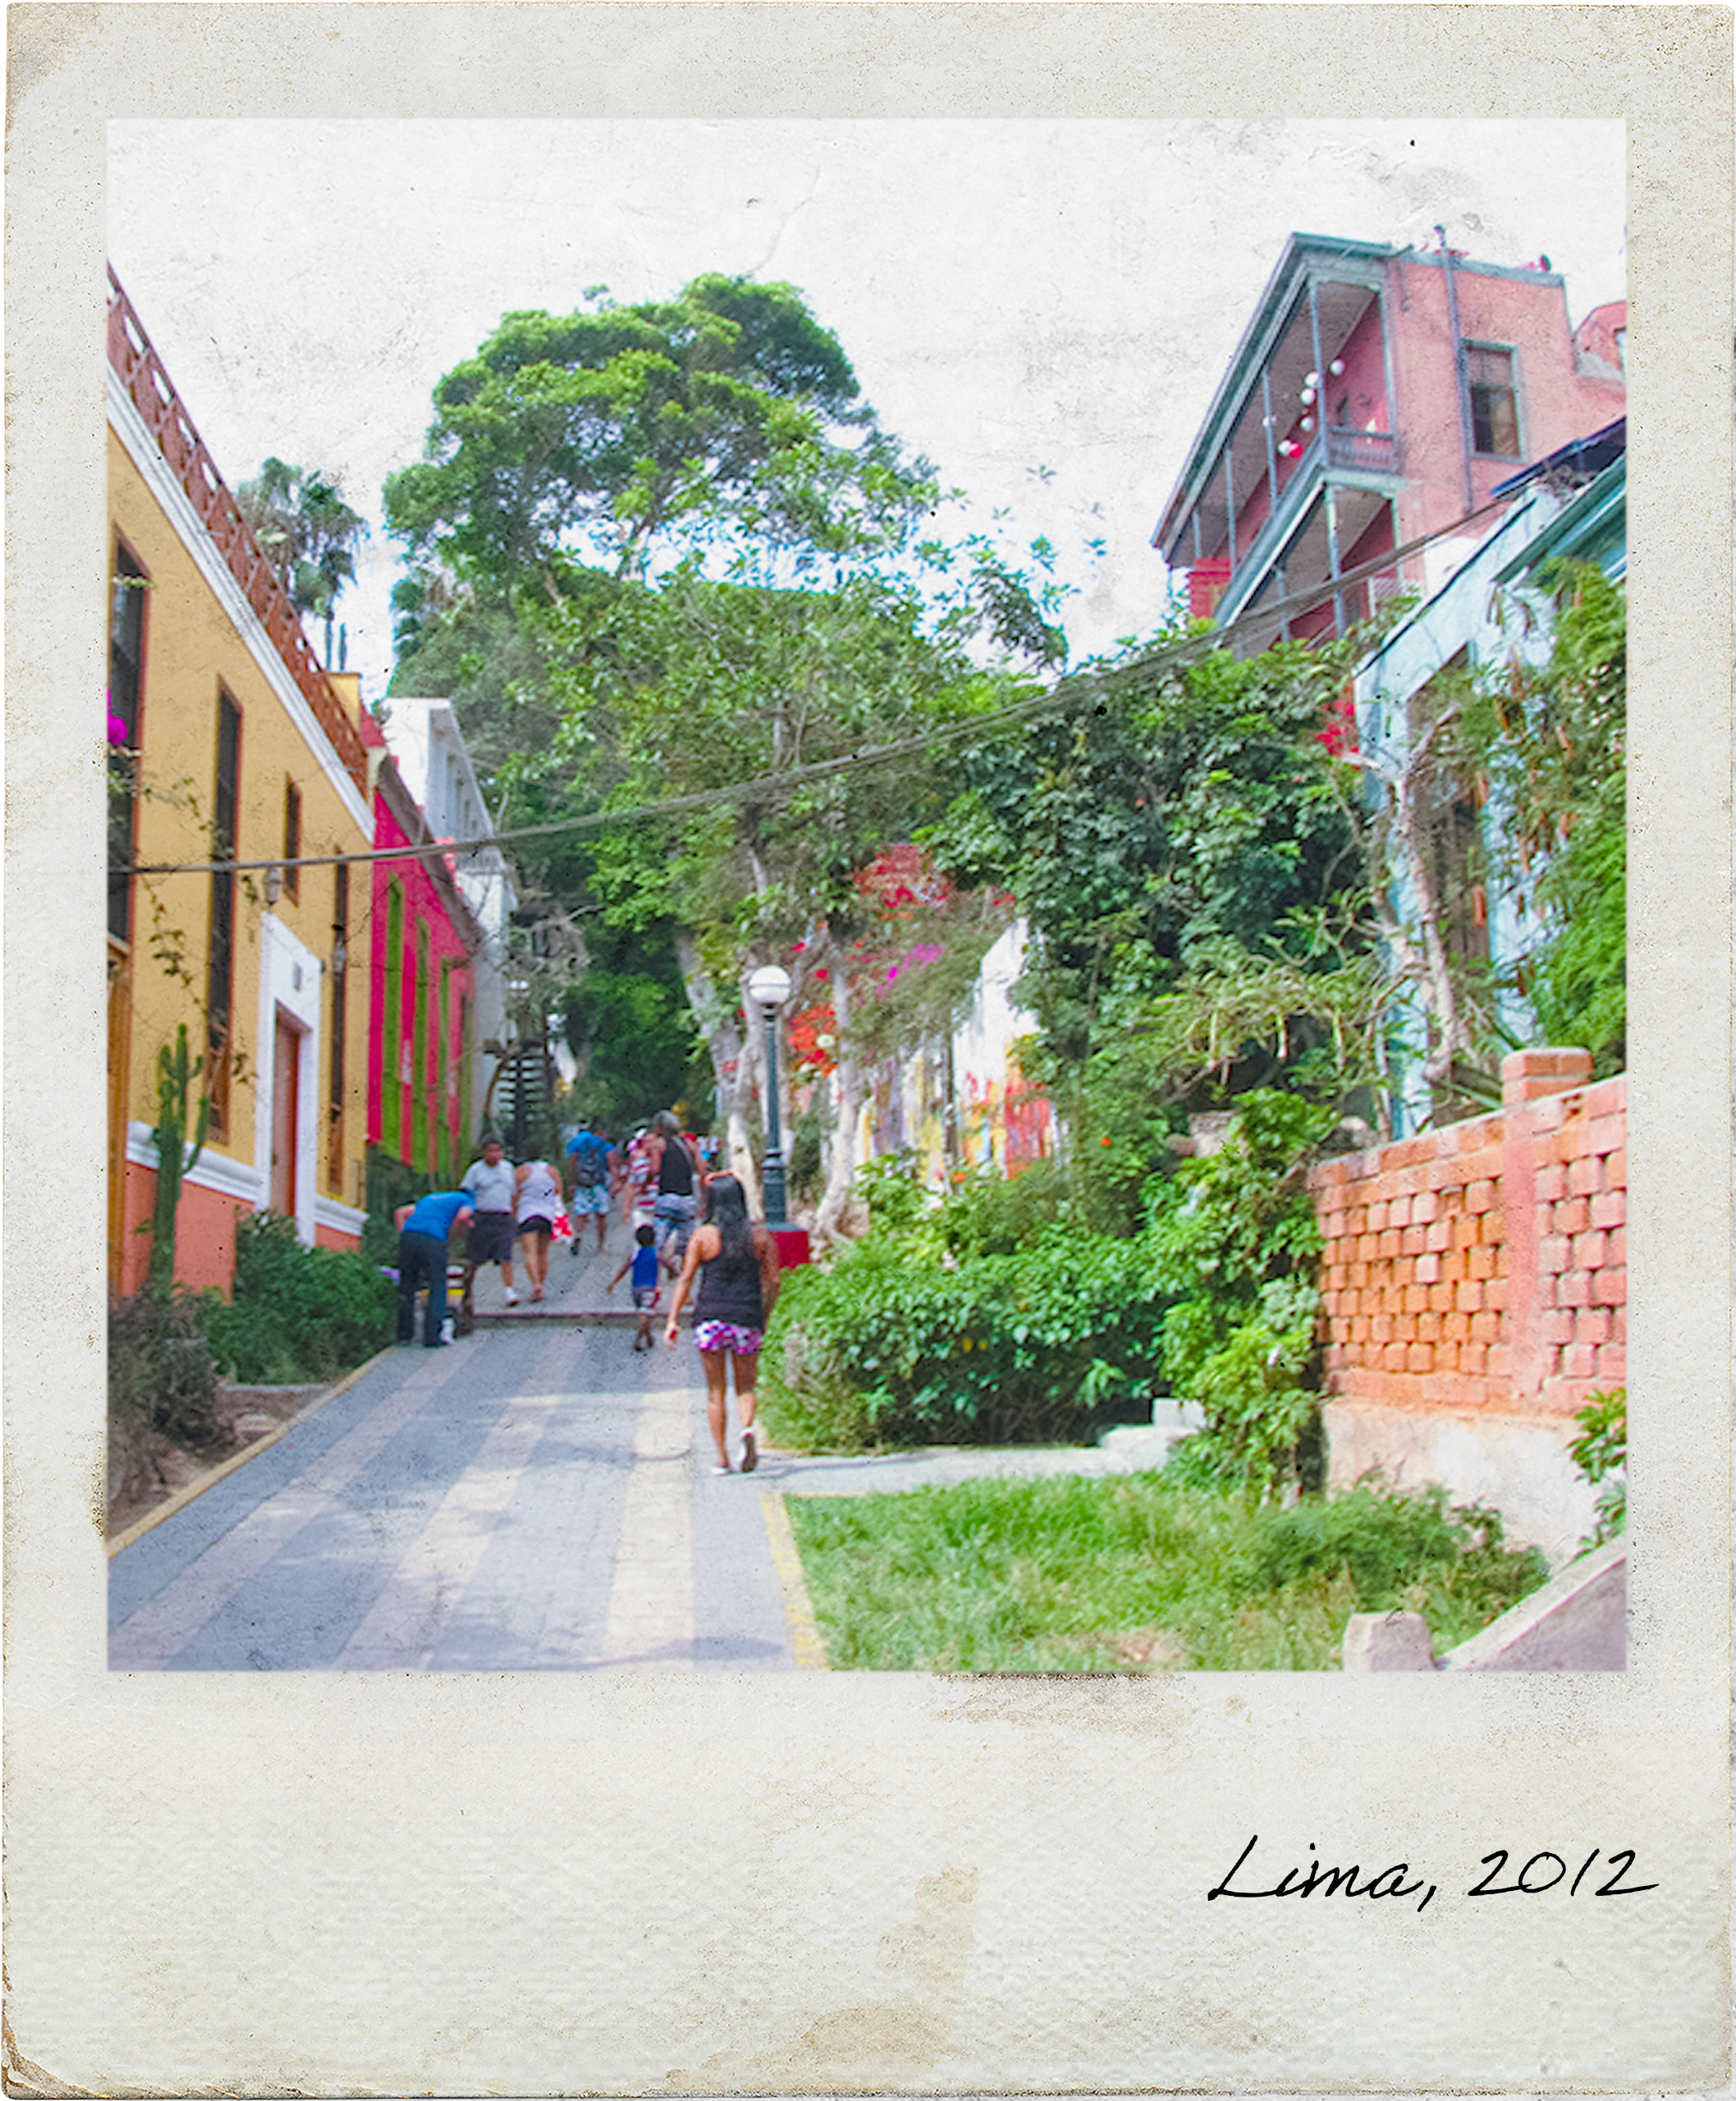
column 769, row 986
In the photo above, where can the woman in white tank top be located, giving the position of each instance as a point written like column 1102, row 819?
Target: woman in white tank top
column 536, row 1203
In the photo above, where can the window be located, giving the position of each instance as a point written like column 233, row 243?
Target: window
column 340, row 1014
column 220, row 962
column 126, row 596
column 445, row 1077
column 292, row 840
column 463, row 1069
column 420, row 1156
column 1495, row 402
column 391, row 1075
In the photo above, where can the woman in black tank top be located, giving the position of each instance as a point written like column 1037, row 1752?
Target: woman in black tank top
column 735, row 1264
column 681, row 1180
column 675, row 1170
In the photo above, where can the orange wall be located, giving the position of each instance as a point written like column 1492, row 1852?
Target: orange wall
column 205, row 1234
column 1482, row 1267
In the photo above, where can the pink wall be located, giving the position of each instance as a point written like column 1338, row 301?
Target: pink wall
column 1523, row 313
column 424, row 905
column 1357, row 400
column 1556, row 403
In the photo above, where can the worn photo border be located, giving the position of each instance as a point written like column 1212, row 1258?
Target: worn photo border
column 561, row 1883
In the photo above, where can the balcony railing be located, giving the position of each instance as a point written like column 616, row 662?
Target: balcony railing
column 152, row 391
column 1362, row 451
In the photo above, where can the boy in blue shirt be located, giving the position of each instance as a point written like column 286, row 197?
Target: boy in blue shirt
column 644, row 1263
column 423, row 1229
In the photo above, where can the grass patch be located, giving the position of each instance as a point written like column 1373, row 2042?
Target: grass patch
column 1078, row 1574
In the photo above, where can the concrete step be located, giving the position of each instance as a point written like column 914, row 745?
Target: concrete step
column 1149, row 1443
column 566, row 1316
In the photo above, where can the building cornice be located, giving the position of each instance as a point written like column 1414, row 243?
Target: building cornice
column 164, row 484
column 211, row 1170
column 338, row 1217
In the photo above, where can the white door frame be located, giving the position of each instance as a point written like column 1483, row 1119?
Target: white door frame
column 289, row 977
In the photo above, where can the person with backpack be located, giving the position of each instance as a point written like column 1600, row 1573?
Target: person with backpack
column 592, row 1171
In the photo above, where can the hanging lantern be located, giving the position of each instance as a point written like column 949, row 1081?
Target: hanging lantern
column 1336, row 368
column 1308, row 423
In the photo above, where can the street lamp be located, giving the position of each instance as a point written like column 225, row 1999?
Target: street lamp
column 768, row 988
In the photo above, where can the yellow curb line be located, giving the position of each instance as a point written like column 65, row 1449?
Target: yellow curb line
column 197, row 1486
column 806, row 1637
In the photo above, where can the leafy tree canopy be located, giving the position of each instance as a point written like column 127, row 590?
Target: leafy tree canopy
column 299, row 516
column 1160, row 826
column 726, row 413
column 1550, row 739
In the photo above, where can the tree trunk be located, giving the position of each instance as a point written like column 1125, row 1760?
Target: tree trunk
column 729, row 1068
column 841, row 1164
column 1441, row 996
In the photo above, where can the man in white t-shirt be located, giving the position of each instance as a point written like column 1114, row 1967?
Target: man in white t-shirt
column 491, row 1182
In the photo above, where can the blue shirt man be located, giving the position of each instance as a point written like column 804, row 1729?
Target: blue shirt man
column 423, row 1228
column 590, row 1181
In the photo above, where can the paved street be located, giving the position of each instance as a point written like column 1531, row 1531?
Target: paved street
column 535, row 1497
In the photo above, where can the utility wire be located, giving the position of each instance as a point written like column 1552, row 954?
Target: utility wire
column 1078, row 687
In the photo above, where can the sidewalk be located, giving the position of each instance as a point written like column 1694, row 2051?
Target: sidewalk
column 576, row 1284
column 535, row 1497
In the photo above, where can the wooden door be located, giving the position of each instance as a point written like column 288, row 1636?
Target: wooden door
column 285, row 1129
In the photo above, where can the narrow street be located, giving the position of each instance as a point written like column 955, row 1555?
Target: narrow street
column 535, row 1497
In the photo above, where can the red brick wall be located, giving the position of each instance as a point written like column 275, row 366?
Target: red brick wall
column 1483, row 1266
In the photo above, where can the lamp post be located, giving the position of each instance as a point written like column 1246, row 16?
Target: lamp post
column 768, row 988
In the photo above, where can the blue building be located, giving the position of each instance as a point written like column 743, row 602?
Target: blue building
column 1493, row 607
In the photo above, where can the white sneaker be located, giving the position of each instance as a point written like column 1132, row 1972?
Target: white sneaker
column 512, row 1298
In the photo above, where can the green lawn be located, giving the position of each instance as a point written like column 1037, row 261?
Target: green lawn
column 1077, row 1574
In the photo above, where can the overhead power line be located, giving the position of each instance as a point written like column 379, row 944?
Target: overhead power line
column 1078, row 687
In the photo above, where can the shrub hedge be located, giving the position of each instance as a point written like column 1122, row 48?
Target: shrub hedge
column 299, row 1313
column 886, row 1348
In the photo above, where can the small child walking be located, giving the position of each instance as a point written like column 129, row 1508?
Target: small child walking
column 643, row 1263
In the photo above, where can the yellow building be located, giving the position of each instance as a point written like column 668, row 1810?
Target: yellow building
column 237, row 745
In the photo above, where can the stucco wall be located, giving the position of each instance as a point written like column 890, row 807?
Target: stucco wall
column 194, row 643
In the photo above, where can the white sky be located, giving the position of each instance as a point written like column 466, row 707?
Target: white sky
column 1013, row 296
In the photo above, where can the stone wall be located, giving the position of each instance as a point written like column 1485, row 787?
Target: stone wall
column 1475, row 1281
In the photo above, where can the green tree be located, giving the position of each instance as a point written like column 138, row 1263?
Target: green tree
column 1550, row 739
column 299, row 516
column 726, row 411
column 695, row 685
column 1197, row 896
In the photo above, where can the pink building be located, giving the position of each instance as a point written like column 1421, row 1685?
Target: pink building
column 422, row 988
column 1376, row 398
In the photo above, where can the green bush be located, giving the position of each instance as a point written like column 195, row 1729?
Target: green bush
column 1600, row 1454
column 999, row 1214
column 1236, row 1241
column 1058, row 1574
column 899, row 1343
column 299, row 1313
column 162, row 1374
